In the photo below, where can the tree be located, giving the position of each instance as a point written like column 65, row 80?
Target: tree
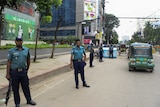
column 136, row 37
column 114, row 39
column 44, row 8
column 111, row 22
column 55, row 37
column 151, row 34
column 148, row 32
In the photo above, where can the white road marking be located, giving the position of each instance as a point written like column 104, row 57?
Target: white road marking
column 48, row 87
column 2, row 100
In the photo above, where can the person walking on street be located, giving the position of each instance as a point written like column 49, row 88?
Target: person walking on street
column 100, row 53
column 91, row 56
column 17, row 70
column 78, row 61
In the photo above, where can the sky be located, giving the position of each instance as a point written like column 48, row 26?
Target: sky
column 131, row 8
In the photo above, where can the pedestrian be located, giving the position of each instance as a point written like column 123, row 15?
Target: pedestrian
column 78, row 61
column 91, row 56
column 17, row 70
column 111, row 51
column 100, row 53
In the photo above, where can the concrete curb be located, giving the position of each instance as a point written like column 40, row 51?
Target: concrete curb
column 38, row 78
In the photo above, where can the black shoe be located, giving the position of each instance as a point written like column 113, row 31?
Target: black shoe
column 31, row 102
column 17, row 105
column 92, row 66
column 77, row 87
column 85, row 85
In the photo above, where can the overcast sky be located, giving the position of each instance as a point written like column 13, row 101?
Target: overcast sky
column 131, row 8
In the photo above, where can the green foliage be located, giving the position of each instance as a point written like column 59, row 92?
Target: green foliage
column 151, row 35
column 44, row 7
column 57, row 3
column 39, row 46
column 111, row 22
column 46, row 19
column 115, row 38
column 71, row 39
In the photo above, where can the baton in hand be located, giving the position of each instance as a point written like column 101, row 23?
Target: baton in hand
column 8, row 94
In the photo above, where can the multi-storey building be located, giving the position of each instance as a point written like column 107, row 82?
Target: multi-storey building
column 79, row 19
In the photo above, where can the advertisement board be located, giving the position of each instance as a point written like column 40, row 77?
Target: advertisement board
column 89, row 9
column 16, row 26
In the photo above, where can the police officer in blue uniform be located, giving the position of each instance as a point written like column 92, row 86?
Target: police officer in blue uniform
column 111, row 51
column 17, row 70
column 91, row 56
column 77, row 60
column 101, row 53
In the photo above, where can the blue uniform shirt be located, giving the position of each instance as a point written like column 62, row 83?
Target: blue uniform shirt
column 18, row 57
column 78, row 52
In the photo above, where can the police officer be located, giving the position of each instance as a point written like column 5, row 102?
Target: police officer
column 111, row 51
column 100, row 53
column 91, row 56
column 17, row 70
column 78, row 58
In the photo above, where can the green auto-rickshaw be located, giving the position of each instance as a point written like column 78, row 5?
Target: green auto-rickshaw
column 140, row 57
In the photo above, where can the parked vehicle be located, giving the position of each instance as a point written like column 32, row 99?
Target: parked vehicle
column 140, row 57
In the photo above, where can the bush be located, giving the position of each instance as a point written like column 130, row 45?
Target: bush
column 32, row 46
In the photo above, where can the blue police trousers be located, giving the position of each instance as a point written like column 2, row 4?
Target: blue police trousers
column 79, row 68
column 17, row 79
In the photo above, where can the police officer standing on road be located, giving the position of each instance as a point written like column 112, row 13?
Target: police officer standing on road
column 17, row 70
column 91, row 56
column 111, row 51
column 77, row 60
column 100, row 53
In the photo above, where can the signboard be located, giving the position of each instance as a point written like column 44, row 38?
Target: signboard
column 87, row 41
column 16, row 26
column 89, row 9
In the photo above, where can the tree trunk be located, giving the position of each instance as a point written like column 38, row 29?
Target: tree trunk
column 55, row 38
column 1, row 26
column 0, row 30
column 36, row 42
column 35, row 51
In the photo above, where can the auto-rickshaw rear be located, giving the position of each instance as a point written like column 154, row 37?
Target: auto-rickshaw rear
column 140, row 57
column 122, row 49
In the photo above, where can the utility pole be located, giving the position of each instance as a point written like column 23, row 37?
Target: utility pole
column 103, row 23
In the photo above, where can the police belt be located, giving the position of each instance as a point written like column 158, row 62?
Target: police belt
column 19, row 69
column 78, row 60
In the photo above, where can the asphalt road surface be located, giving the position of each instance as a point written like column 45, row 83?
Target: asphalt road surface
column 112, row 85
column 47, row 51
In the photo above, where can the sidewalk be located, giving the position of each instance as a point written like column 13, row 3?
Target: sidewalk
column 41, row 69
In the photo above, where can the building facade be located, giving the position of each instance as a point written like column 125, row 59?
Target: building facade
column 79, row 19
column 67, row 11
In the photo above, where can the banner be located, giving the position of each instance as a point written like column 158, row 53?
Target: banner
column 16, row 26
column 89, row 9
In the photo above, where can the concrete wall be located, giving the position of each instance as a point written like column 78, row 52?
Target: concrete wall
column 79, row 18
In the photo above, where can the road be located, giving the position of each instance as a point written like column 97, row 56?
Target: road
column 112, row 85
column 41, row 53
column 47, row 51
